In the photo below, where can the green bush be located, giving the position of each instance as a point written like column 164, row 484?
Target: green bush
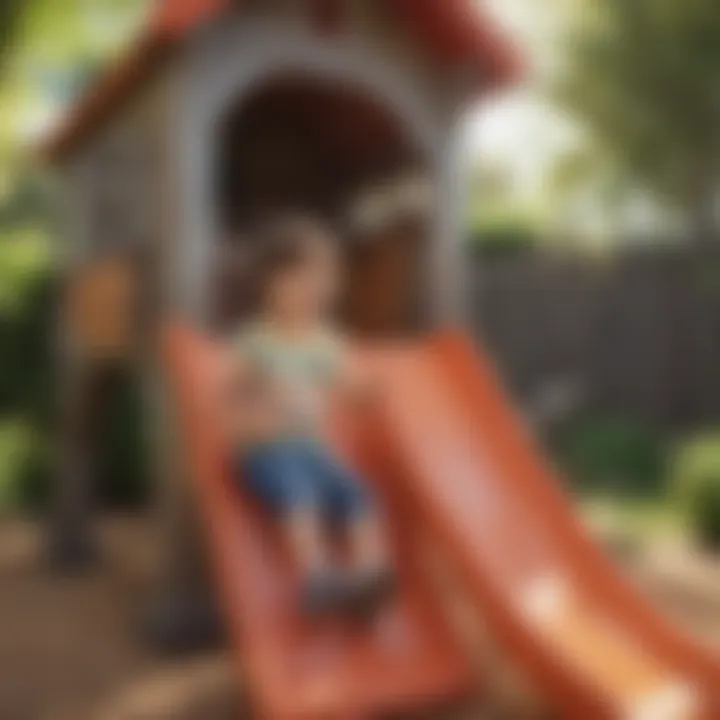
column 21, row 457
column 28, row 302
column 27, row 313
column 27, row 308
column 614, row 456
column 122, row 457
column 696, row 480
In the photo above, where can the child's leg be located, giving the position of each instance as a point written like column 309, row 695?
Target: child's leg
column 368, row 543
column 279, row 477
column 282, row 478
column 304, row 532
column 347, row 499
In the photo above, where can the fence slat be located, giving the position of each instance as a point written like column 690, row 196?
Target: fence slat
column 639, row 333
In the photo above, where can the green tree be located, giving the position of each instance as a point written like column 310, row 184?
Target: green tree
column 48, row 49
column 644, row 77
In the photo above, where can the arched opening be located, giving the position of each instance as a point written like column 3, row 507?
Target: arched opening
column 332, row 150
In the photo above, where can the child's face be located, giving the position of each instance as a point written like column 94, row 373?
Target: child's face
column 308, row 290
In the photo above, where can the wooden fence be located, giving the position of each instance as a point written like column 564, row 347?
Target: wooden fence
column 637, row 334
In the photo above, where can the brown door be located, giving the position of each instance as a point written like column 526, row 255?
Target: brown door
column 383, row 282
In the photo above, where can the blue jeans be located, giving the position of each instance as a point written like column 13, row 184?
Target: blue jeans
column 290, row 475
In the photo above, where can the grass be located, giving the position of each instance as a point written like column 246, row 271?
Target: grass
column 646, row 521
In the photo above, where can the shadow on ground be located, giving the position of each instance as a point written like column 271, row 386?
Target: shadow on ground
column 69, row 648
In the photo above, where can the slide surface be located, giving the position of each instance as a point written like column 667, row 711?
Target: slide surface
column 294, row 670
column 579, row 633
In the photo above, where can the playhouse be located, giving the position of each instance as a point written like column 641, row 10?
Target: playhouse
column 221, row 111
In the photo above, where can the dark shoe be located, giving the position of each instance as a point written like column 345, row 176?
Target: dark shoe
column 366, row 592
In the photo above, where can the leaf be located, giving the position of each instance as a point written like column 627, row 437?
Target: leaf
column 642, row 76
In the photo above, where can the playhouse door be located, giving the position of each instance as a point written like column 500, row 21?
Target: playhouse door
column 382, row 295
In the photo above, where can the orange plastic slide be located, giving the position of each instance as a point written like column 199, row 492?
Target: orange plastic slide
column 295, row 670
column 467, row 468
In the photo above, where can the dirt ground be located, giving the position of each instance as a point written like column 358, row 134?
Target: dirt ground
column 69, row 648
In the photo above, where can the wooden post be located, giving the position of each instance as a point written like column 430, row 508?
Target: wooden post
column 72, row 542
column 445, row 276
column 182, row 616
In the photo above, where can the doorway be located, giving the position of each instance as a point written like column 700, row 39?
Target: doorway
column 300, row 145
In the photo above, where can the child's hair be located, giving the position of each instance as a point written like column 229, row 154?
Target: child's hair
column 284, row 243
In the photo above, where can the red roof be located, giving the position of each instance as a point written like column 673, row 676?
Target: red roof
column 175, row 18
column 452, row 30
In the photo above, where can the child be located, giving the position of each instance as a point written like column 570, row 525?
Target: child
column 288, row 362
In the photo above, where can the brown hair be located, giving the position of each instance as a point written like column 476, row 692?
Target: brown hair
column 284, row 243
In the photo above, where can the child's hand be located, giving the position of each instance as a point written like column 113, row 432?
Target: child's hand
column 359, row 387
column 367, row 393
column 249, row 405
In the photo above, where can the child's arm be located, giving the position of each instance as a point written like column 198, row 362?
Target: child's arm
column 251, row 409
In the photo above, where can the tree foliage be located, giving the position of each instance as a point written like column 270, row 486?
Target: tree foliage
column 47, row 50
column 644, row 76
